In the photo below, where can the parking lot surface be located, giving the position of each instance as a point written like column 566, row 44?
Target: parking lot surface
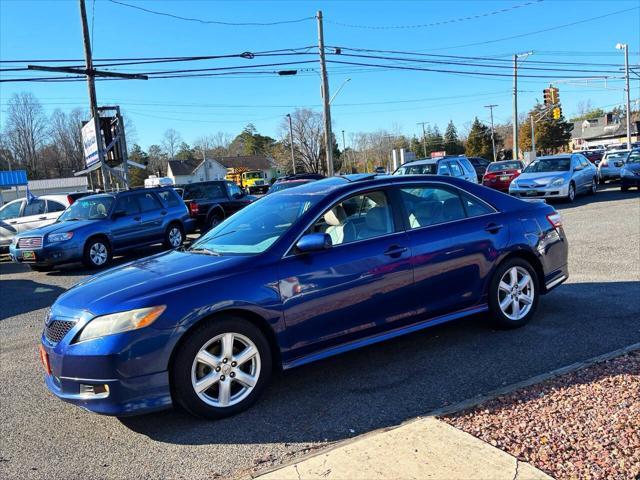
column 595, row 312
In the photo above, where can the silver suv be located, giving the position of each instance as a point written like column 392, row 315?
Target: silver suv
column 458, row 167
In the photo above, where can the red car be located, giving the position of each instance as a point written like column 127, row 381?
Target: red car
column 499, row 175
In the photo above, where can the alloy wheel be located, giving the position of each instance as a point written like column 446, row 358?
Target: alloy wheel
column 572, row 193
column 594, row 186
column 175, row 237
column 516, row 293
column 98, row 254
column 226, row 370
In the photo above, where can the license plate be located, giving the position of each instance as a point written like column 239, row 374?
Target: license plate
column 28, row 255
column 504, row 177
column 44, row 358
column 530, row 193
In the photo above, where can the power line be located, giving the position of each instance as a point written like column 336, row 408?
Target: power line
column 211, row 22
column 435, row 24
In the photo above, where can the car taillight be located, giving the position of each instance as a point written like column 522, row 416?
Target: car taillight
column 194, row 209
column 604, row 163
column 555, row 219
column 69, row 199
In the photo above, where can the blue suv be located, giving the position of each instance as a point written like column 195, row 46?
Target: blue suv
column 295, row 277
column 95, row 227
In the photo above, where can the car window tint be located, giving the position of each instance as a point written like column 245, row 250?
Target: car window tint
column 208, row 191
column 443, row 168
column 148, row 202
column 456, row 169
column 233, row 189
column 55, row 206
column 359, row 217
column 11, row 210
column 170, row 197
column 128, row 204
column 426, row 206
column 475, row 207
column 36, row 207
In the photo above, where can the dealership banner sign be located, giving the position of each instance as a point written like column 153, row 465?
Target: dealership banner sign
column 90, row 143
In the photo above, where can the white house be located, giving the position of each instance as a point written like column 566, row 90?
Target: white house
column 190, row 171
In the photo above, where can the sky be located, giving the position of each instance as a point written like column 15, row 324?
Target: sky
column 390, row 99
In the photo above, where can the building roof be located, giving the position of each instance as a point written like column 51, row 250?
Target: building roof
column 184, row 167
column 599, row 128
column 252, row 162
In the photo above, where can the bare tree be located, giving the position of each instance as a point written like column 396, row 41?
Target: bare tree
column 66, row 138
column 26, row 130
column 308, row 128
column 171, row 141
column 215, row 145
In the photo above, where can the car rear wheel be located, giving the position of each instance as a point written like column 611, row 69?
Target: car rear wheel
column 221, row 368
column 513, row 295
column 571, row 195
column 214, row 220
column 97, row 253
column 174, row 236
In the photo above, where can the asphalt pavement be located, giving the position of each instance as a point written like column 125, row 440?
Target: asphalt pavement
column 595, row 312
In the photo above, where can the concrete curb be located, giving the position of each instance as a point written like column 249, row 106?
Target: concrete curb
column 463, row 405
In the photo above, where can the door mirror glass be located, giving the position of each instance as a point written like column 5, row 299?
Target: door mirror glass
column 313, row 242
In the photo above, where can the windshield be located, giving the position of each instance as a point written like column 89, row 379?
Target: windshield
column 634, row 157
column 549, row 165
column 256, row 227
column 424, row 169
column 276, row 187
column 616, row 155
column 253, row 175
column 203, row 191
column 90, row 208
column 496, row 167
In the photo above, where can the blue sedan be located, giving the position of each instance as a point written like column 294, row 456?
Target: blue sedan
column 301, row 275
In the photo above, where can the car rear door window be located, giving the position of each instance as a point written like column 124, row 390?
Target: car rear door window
column 431, row 205
column 129, row 205
column 474, row 207
column 443, row 168
column 36, row 207
column 148, row 202
column 170, row 197
column 53, row 206
column 456, row 169
column 209, row 191
column 359, row 217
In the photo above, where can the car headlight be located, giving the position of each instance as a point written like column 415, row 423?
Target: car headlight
column 59, row 237
column 556, row 182
column 120, row 322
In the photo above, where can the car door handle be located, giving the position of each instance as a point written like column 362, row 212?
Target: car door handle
column 42, row 218
column 493, row 228
column 395, row 251
column 13, row 223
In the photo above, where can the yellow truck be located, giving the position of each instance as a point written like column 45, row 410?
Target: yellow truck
column 253, row 181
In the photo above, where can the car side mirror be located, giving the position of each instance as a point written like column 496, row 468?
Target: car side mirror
column 577, row 168
column 313, row 242
column 118, row 214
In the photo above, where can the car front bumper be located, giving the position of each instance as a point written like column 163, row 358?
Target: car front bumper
column 630, row 180
column 561, row 191
column 117, row 375
column 48, row 254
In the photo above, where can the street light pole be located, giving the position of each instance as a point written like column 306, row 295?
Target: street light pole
column 293, row 160
column 625, row 47
column 424, row 138
column 533, row 138
column 493, row 140
column 325, row 98
column 515, row 107
column 344, row 147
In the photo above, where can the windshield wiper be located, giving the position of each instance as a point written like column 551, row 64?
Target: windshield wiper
column 205, row 251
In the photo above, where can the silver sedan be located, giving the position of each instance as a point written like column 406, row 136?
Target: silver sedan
column 559, row 176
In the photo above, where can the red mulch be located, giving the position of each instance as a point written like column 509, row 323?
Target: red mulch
column 582, row 425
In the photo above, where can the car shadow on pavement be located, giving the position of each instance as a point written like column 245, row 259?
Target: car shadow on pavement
column 388, row 383
column 609, row 193
column 23, row 296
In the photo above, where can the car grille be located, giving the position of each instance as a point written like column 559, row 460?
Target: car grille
column 30, row 242
column 57, row 329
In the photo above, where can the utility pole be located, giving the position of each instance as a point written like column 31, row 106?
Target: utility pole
column 493, row 140
column 293, row 159
column 91, row 84
column 515, row 106
column 344, row 147
column 533, row 138
column 424, row 137
column 325, row 98
column 625, row 47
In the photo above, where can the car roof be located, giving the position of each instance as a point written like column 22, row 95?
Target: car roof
column 423, row 161
column 559, row 156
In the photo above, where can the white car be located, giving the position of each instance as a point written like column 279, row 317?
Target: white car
column 19, row 216
column 459, row 167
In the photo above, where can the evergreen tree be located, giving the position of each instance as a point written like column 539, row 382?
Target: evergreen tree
column 452, row 143
column 479, row 141
column 551, row 135
column 137, row 175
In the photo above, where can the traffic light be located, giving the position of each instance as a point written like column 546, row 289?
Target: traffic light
column 557, row 113
column 554, row 93
column 547, row 96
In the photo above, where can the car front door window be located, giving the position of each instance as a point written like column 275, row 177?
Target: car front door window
column 35, row 207
column 11, row 210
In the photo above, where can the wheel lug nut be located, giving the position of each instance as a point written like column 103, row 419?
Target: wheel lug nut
column 222, row 378
column 232, row 374
column 233, row 364
column 224, row 360
column 217, row 369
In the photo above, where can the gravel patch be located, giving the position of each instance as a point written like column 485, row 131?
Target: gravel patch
column 584, row 424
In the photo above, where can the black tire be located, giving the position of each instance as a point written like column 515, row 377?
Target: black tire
column 499, row 318
column 41, row 268
column 89, row 260
column 183, row 391
column 602, row 181
column 214, row 219
column 571, row 195
column 170, row 238
column 594, row 187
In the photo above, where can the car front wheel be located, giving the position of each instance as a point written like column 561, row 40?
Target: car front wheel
column 513, row 295
column 571, row 195
column 594, row 187
column 173, row 237
column 97, row 253
column 221, row 368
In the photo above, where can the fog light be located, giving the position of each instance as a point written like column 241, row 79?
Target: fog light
column 94, row 391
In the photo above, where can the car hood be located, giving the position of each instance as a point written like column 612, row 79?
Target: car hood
column 148, row 281
column 70, row 226
column 541, row 178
